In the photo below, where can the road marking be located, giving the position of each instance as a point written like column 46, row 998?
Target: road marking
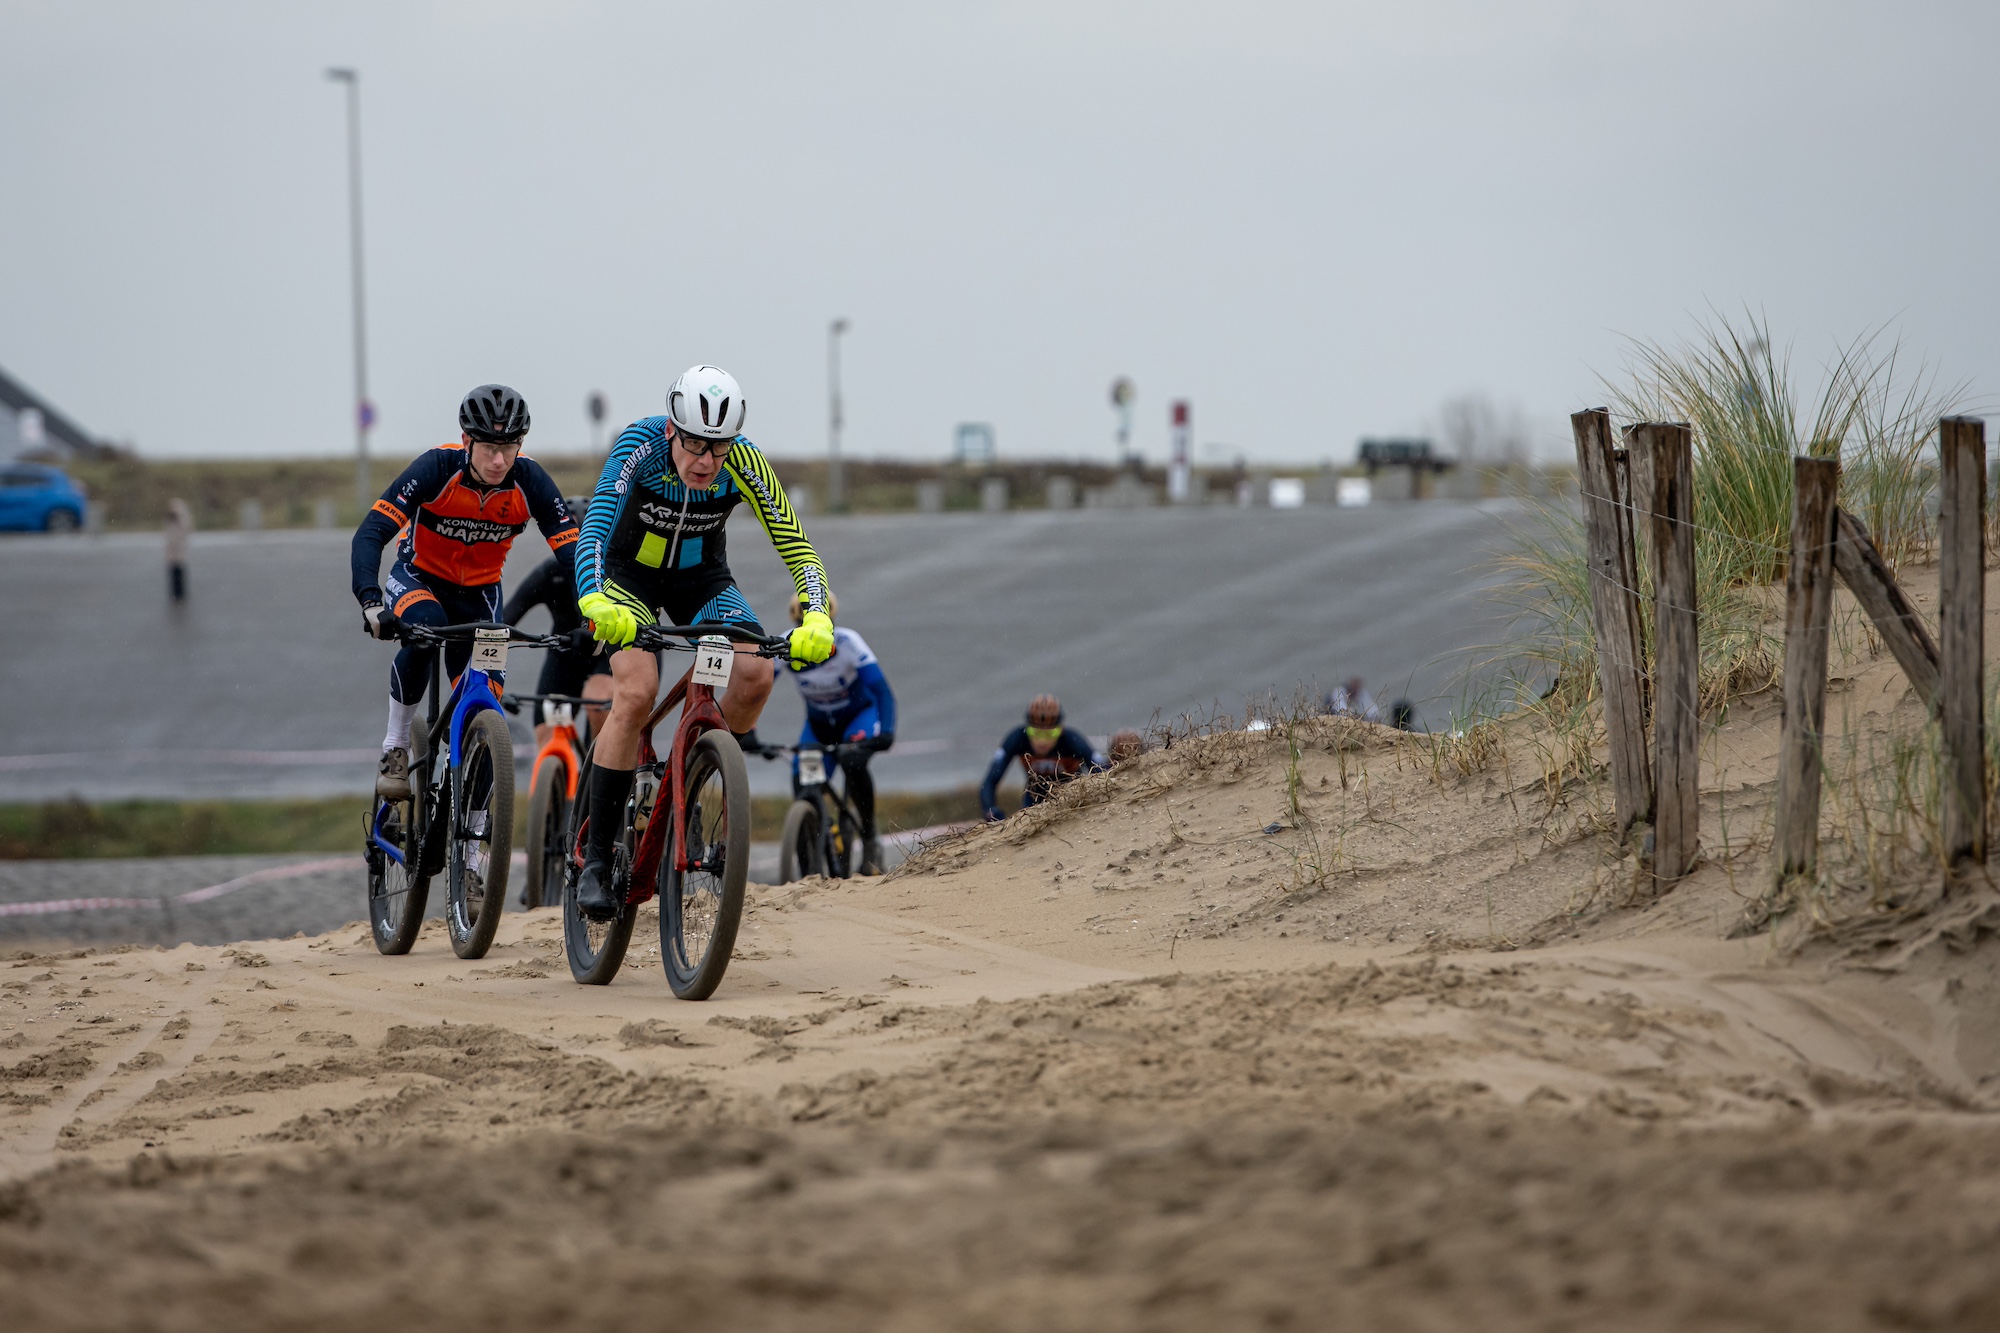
column 228, row 886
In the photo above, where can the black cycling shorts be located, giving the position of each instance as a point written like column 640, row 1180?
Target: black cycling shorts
column 565, row 672
column 683, row 596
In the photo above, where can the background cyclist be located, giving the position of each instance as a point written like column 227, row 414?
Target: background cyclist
column 1049, row 752
column 848, row 702
column 580, row 671
column 654, row 539
column 457, row 510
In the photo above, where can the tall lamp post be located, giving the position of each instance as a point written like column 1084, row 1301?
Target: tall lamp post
column 836, row 488
column 364, row 411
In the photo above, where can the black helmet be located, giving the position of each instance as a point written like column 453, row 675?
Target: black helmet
column 494, row 413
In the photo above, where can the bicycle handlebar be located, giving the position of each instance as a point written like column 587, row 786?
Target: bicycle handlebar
column 446, row 633
column 680, row 638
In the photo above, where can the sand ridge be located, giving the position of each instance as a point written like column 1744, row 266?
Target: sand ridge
column 1133, row 1062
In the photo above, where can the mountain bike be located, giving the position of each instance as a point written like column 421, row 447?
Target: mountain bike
column 459, row 818
column 822, row 831
column 693, row 847
column 552, row 787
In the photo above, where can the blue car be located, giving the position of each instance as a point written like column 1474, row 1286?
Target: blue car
column 34, row 498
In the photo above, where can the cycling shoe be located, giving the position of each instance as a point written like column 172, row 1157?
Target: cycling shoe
column 593, row 892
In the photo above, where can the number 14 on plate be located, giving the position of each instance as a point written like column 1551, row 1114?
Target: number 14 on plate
column 712, row 657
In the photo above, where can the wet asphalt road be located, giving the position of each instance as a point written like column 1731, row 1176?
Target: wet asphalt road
column 263, row 685
column 222, row 899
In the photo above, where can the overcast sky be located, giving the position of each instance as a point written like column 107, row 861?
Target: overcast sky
column 1316, row 221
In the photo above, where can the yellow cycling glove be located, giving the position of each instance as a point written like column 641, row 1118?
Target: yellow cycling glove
column 812, row 641
column 610, row 622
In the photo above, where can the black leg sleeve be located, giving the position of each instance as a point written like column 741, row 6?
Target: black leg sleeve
column 609, row 788
column 862, row 788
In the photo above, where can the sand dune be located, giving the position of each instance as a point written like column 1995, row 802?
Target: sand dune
column 1153, row 1060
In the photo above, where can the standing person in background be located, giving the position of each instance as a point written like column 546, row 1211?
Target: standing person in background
column 1353, row 700
column 1048, row 750
column 179, row 523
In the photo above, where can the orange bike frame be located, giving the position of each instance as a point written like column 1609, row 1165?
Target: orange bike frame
column 562, row 744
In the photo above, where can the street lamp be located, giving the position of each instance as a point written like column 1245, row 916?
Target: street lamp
column 836, row 490
column 364, row 411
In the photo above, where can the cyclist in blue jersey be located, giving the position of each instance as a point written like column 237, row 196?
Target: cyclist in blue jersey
column 1049, row 751
column 849, row 703
column 653, row 547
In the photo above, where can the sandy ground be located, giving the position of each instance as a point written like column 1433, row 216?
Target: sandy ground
column 1154, row 1060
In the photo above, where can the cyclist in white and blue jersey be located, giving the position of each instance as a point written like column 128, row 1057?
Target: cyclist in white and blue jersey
column 849, row 704
column 652, row 546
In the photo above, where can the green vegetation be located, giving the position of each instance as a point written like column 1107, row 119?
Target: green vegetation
column 75, row 828
column 1740, row 395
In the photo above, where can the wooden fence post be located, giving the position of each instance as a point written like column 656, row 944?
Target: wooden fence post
column 1903, row 631
column 1677, row 654
column 1808, row 617
column 1614, row 605
column 1962, row 636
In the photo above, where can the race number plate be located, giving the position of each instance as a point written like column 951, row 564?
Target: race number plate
column 489, row 650
column 812, row 767
column 712, row 656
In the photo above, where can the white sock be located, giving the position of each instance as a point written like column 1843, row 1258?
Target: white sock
column 398, row 737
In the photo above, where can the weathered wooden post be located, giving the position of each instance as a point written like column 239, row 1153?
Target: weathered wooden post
column 1808, row 618
column 1895, row 618
column 1677, row 654
column 1614, row 606
column 1962, row 636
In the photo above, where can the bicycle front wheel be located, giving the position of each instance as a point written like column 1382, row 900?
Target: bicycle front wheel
column 798, row 845
column 482, row 834
column 397, row 885
column 548, row 817
column 843, row 840
column 701, row 907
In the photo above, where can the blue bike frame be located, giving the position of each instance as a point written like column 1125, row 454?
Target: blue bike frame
column 473, row 694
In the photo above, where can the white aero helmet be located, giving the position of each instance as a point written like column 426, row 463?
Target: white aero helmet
column 707, row 401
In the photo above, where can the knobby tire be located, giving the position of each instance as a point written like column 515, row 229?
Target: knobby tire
column 397, row 894
column 475, row 897
column 548, row 820
column 701, row 908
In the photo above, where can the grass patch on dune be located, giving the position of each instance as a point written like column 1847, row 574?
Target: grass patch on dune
column 74, row 828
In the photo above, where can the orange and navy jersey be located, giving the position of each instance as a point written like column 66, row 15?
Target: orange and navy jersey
column 456, row 531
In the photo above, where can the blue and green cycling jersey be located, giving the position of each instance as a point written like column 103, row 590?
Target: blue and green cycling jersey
column 645, row 522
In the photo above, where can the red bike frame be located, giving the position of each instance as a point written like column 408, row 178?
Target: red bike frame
column 701, row 714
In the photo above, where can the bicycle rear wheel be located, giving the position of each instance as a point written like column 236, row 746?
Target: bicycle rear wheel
column 701, row 907
column 548, row 819
column 398, row 888
column 482, row 834
column 596, row 949
column 798, row 845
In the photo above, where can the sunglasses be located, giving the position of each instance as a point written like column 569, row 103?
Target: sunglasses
column 701, row 448
column 1044, row 733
